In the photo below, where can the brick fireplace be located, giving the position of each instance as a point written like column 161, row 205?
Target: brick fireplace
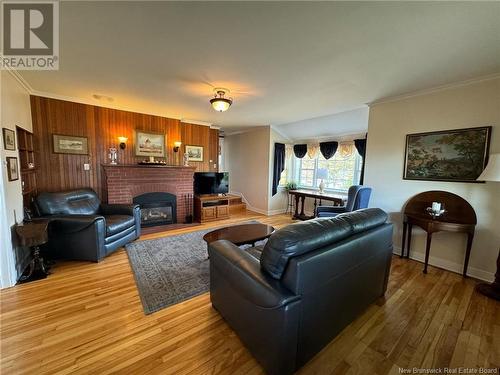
column 124, row 182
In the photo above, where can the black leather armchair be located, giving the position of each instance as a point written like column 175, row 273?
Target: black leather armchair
column 81, row 228
column 313, row 279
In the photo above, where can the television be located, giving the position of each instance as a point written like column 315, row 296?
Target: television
column 211, row 183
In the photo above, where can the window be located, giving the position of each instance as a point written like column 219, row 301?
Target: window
column 342, row 171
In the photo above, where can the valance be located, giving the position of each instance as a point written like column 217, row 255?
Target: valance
column 300, row 150
column 328, row 149
column 346, row 149
column 312, row 150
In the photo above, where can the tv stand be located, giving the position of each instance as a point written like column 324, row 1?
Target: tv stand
column 215, row 207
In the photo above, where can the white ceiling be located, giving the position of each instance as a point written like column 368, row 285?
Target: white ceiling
column 337, row 125
column 284, row 61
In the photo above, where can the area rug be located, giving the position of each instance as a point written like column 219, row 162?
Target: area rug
column 172, row 269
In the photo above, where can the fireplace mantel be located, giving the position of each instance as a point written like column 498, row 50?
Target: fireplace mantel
column 123, row 182
column 105, row 166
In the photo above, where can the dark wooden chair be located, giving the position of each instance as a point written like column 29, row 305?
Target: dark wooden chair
column 458, row 217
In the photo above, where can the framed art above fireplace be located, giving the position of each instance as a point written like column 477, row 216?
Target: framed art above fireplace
column 458, row 155
column 149, row 144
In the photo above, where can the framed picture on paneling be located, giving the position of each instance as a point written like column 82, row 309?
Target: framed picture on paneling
column 149, row 144
column 194, row 153
column 67, row 144
column 9, row 139
column 12, row 168
column 458, row 155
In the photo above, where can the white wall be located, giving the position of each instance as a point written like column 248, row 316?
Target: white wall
column 15, row 111
column 471, row 105
column 247, row 161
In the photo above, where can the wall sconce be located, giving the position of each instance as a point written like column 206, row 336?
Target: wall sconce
column 177, row 145
column 123, row 142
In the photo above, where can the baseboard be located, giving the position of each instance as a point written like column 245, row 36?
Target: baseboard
column 258, row 210
column 276, row 212
column 450, row 266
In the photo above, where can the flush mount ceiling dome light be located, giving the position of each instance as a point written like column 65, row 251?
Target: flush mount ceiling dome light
column 219, row 102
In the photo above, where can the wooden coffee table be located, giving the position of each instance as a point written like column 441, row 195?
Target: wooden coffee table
column 244, row 234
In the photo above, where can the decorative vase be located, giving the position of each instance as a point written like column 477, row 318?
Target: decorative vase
column 321, row 187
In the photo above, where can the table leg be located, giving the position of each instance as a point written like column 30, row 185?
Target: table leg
column 470, row 237
column 296, row 214
column 408, row 245
column 403, row 240
column 427, row 250
column 302, row 206
column 315, row 205
column 37, row 268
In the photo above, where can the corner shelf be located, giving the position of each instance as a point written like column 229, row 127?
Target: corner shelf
column 27, row 156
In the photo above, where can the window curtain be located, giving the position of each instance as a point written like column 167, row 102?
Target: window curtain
column 328, row 149
column 312, row 150
column 300, row 150
column 288, row 151
column 360, row 145
column 279, row 165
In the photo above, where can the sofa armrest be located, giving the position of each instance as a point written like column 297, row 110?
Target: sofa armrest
column 74, row 223
column 119, row 209
column 242, row 272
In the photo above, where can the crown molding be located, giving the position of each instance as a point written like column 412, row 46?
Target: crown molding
column 198, row 122
column 20, row 79
column 431, row 90
column 280, row 132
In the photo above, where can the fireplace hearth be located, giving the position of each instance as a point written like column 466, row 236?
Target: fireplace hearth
column 158, row 208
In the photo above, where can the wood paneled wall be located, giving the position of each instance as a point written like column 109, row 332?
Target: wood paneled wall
column 102, row 126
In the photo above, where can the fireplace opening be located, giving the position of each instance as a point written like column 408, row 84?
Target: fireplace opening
column 157, row 208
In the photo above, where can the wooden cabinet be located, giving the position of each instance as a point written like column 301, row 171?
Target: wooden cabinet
column 214, row 207
column 223, row 211
column 208, row 213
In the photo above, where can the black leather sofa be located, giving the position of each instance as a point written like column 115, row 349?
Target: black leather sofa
column 82, row 228
column 312, row 280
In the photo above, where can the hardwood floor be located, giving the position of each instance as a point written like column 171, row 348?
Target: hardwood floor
column 87, row 318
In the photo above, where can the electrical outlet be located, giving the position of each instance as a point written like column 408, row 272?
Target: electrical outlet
column 86, row 167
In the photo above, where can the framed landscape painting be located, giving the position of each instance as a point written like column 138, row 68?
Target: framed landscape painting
column 149, row 144
column 67, row 144
column 195, row 153
column 452, row 155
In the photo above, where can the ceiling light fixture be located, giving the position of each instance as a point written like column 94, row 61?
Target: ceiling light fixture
column 219, row 102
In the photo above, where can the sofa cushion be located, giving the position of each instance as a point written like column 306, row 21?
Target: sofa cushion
column 75, row 202
column 118, row 223
column 300, row 238
column 364, row 219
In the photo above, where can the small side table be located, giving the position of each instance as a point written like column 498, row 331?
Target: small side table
column 459, row 217
column 34, row 234
column 431, row 226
